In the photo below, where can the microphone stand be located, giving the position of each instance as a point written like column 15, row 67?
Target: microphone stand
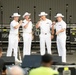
column 34, row 21
column 49, row 13
column 35, row 39
column 70, row 18
column 34, row 14
column 19, row 53
column 66, row 12
column 1, row 25
column 18, row 9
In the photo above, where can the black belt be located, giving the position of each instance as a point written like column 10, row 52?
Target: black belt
column 45, row 33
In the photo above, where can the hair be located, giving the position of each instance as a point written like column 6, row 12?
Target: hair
column 10, row 70
column 46, row 58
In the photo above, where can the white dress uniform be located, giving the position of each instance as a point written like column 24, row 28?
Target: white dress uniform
column 61, row 40
column 13, row 39
column 45, row 36
column 27, row 37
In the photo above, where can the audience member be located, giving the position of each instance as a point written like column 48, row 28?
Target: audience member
column 15, row 70
column 45, row 69
column 2, row 66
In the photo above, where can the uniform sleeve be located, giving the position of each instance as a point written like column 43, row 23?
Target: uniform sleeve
column 55, row 26
column 24, row 23
column 40, row 23
column 13, row 24
column 50, row 22
column 64, row 25
column 31, row 25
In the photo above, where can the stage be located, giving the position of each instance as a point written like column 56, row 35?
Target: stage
column 70, row 56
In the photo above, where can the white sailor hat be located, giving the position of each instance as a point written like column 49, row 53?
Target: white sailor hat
column 43, row 14
column 26, row 14
column 16, row 14
column 59, row 15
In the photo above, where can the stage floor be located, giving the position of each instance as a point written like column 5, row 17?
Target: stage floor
column 71, row 57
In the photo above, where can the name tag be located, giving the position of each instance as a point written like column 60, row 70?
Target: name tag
column 47, row 23
column 59, row 25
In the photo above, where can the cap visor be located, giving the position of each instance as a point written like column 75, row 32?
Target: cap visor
column 58, row 16
column 42, row 15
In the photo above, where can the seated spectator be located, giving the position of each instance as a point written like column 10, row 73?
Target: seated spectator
column 15, row 70
column 45, row 69
column 2, row 64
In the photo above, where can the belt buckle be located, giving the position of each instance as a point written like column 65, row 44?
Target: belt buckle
column 45, row 33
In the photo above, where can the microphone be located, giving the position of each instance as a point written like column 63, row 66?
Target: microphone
column 22, row 22
column 54, row 22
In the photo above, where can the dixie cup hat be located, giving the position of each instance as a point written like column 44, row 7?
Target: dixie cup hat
column 16, row 14
column 26, row 14
column 59, row 15
column 43, row 14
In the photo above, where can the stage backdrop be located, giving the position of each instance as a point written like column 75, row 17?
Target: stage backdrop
column 10, row 6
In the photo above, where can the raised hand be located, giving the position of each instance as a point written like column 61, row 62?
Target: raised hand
column 53, row 23
column 20, row 22
column 29, row 20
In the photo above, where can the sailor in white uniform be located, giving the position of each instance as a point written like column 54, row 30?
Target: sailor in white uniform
column 45, row 36
column 27, row 34
column 60, row 27
column 13, row 36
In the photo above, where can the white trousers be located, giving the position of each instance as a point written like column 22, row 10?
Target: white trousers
column 12, row 45
column 45, row 39
column 27, row 38
column 61, row 46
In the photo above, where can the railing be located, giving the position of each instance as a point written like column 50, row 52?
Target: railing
column 71, row 35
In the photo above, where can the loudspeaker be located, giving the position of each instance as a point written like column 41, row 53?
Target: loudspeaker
column 57, row 60
column 8, row 60
column 31, row 61
column 35, row 60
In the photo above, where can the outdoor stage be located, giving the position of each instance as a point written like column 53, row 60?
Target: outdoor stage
column 35, row 48
column 71, row 58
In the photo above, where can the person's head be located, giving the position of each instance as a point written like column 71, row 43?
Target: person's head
column 16, row 16
column 59, row 17
column 15, row 70
column 47, row 60
column 26, row 15
column 0, row 51
column 43, row 15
